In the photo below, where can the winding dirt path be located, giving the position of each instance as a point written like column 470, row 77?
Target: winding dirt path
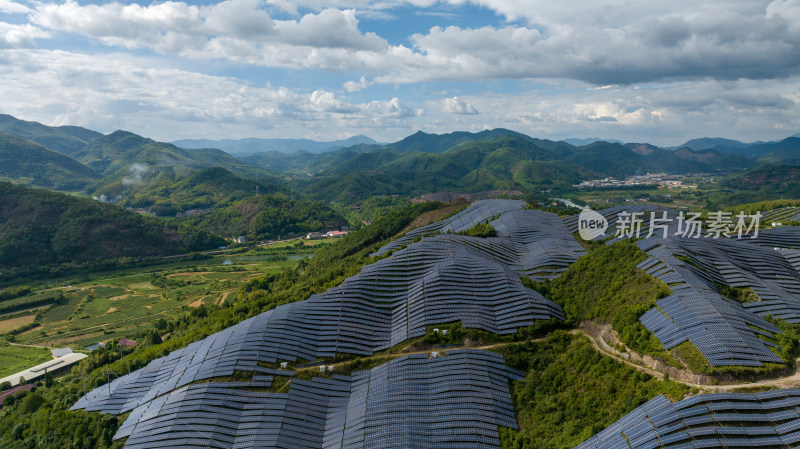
column 791, row 381
column 600, row 345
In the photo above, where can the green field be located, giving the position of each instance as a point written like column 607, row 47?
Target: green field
column 123, row 303
column 14, row 359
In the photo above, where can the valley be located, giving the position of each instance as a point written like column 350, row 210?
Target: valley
column 125, row 303
column 175, row 270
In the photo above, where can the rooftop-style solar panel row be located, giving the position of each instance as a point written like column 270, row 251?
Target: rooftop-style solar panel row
column 725, row 331
column 456, row 400
column 769, row 419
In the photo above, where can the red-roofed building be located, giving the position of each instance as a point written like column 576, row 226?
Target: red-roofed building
column 13, row 391
column 127, row 343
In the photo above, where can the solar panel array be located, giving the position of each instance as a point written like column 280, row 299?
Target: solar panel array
column 439, row 279
column 542, row 247
column 726, row 332
column 647, row 216
column 769, row 420
column 781, row 237
column 781, row 214
column 430, row 282
column 531, row 242
column 479, row 212
column 456, row 400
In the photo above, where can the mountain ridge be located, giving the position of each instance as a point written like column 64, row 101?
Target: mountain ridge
column 64, row 139
column 253, row 145
column 29, row 163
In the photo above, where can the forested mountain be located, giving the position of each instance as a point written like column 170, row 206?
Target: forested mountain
column 204, row 189
column 786, row 151
column 268, row 217
column 41, row 228
column 439, row 143
column 718, row 144
column 501, row 163
column 634, row 158
column 305, row 162
column 140, row 172
column 508, row 162
column 29, row 163
column 762, row 183
column 64, row 139
column 128, row 160
column 771, row 179
column 248, row 146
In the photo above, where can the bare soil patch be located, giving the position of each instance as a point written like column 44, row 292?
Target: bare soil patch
column 432, row 216
column 13, row 323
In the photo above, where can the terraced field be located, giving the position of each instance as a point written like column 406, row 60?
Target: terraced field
column 126, row 302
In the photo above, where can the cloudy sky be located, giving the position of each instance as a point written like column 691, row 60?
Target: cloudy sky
column 655, row 71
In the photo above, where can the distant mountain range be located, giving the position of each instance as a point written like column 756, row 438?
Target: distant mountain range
column 127, row 161
column 589, row 140
column 143, row 172
column 244, row 147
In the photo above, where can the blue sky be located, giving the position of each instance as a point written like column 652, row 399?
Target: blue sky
column 661, row 72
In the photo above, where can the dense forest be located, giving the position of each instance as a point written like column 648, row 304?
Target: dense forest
column 268, row 217
column 606, row 287
column 29, row 163
column 571, row 391
column 214, row 187
column 45, row 230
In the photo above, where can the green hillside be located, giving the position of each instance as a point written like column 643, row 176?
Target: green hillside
column 774, row 150
column 40, row 228
column 571, row 391
column 507, row 162
column 303, row 162
column 763, row 183
column 29, row 163
column 439, row 143
column 511, row 161
column 207, row 188
column 608, row 158
column 128, row 160
column 785, row 152
column 268, row 217
column 64, row 139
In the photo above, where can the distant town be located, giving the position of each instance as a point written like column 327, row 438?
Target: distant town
column 656, row 179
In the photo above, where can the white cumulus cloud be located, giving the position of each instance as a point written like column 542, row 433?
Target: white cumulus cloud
column 457, row 106
column 11, row 7
column 19, row 36
column 355, row 86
